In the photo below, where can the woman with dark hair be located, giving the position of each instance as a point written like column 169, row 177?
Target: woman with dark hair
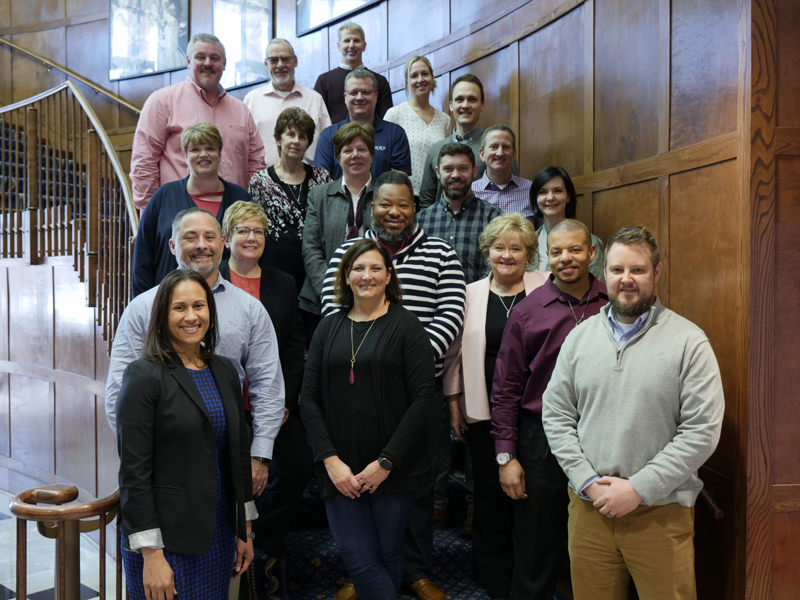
column 368, row 395
column 184, row 475
column 201, row 145
column 553, row 198
column 282, row 191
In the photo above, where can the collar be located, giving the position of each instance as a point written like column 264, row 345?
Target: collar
column 553, row 293
column 485, row 183
column 347, row 67
column 377, row 122
column 408, row 245
column 202, row 93
column 367, row 186
column 637, row 324
column 468, row 202
column 270, row 89
column 220, row 284
column 469, row 136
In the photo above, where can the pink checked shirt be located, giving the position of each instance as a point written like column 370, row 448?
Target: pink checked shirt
column 157, row 158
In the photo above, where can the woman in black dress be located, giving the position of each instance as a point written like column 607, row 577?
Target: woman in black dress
column 368, row 395
column 184, row 476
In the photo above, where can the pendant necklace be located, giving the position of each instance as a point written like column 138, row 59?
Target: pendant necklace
column 585, row 308
column 508, row 310
column 354, row 352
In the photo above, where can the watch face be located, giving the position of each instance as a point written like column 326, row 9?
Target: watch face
column 503, row 458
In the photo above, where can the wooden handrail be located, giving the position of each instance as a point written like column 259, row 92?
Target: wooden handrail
column 26, row 505
column 98, row 89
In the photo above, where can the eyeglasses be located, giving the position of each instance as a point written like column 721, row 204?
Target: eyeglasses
column 274, row 60
column 244, row 232
column 357, row 93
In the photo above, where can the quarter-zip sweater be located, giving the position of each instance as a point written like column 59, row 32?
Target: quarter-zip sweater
column 650, row 412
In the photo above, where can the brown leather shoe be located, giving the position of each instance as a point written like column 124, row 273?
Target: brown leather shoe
column 424, row 589
column 348, row 592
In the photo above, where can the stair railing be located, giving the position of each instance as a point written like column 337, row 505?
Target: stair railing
column 56, row 518
column 63, row 192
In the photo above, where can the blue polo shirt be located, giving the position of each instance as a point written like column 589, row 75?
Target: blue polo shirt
column 391, row 149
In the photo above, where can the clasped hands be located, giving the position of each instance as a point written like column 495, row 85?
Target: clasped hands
column 613, row 496
column 351, row 485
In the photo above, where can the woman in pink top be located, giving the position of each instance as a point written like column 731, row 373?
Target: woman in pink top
column 509, row 243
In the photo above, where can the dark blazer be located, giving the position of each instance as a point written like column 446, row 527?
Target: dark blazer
column 168, row 472
column 152, row 258
column 278, row 294
column 324, row 231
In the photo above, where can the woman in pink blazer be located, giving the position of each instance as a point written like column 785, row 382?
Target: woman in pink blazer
column 510, row 245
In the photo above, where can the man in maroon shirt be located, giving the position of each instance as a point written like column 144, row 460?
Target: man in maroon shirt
column 529, row 473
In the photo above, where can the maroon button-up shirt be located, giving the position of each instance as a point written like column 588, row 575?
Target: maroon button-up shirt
column 531, row 342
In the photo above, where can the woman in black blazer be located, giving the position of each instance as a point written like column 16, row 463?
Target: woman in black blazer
column 245, row 228
column 184, row 475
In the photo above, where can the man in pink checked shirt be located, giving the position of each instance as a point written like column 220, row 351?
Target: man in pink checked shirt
column 157, row 158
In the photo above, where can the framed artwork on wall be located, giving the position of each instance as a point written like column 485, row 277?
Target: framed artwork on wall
column 314, row 14
column 147, row 37
column 245, row 28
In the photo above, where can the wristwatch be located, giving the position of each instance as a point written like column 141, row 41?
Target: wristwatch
column 261, row 459
column 251, row 536
column 385, row 463
column 504, row 458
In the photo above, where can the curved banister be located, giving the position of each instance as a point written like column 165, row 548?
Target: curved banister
column 70, row 73
column 27, row 505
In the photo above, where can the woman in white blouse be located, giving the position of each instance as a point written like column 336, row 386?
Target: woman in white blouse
column 424, row 125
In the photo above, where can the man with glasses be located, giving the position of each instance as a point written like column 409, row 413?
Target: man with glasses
column 392, row 152
column 269, row 101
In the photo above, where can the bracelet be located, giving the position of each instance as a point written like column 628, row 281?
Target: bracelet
column 251, row 536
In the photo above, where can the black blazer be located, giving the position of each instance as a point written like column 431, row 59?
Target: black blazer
column 278, row 293
column 168, row 472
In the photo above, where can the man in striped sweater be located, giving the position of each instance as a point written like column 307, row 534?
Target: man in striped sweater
column 434, row 290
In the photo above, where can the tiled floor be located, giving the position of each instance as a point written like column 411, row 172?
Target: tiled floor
column 41, row 562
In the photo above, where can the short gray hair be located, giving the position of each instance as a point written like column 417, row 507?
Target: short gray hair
column 505, row 128
column 361, row 74
column 274, row 41
column 176, row 222
column 206, row 38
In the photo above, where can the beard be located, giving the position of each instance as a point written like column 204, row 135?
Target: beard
column 191, row 265
column 388, row 236
column 631, row 311
column 455, row 194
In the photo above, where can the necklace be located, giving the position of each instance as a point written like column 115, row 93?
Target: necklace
column 585, row 308
column 295, row 191
column 508, row 310
column 354, row 352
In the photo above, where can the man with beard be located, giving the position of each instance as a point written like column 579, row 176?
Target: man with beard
column 156, row 157
column 245, row 336
column 529, row 473
column 459, row 217
column 633, row 409
column 434, row 290
column 267, row 102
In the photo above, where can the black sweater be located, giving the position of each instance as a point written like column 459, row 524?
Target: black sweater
column 386, row 412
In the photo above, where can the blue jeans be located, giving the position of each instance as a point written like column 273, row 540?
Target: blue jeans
column 368, row 532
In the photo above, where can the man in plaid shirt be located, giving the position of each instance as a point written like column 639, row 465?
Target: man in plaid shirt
column 499, row 186
column 459, row 217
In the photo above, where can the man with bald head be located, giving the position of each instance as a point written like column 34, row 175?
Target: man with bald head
column 157, row 158
column 529, row 473
column 267, row 102
column 245, row 336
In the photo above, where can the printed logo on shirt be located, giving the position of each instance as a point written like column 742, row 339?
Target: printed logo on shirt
column 380, row 148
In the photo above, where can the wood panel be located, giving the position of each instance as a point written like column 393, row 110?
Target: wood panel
column 137, row 91
column 375, row 23
column 74, row 408
column 23, row 13
column 706, row 273
column 6, row 90
column 629, row 205
column 428, row 20
column 5, row 14
column 788, row 56
column 86, row 7
column 28, row 77
column 704, row 70
column 626, row 85
column 785, row 550
column 552, row 96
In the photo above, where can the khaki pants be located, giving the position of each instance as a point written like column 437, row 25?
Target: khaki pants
column 653, row 544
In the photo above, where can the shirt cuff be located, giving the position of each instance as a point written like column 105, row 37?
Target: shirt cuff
column 582, row 495
column 501, row 446
column 150, row 538
column 250, row 512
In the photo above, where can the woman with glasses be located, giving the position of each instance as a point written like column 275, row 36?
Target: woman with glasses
column 246, row 229
column 152, row 258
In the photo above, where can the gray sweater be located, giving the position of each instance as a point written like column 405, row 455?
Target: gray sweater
column 650, row 412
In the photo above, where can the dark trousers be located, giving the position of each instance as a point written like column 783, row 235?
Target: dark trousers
column 368, row 532
column 540, row 520
column 418, row 544
column 493, row 517
column 290, row 469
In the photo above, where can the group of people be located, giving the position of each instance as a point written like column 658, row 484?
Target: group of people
column 346, row 283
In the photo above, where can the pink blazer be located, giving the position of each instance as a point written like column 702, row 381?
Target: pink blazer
column 464, row 372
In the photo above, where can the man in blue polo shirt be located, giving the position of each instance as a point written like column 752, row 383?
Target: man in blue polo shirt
column 392, row 152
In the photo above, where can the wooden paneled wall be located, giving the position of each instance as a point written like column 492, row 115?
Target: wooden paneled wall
column 676, row 114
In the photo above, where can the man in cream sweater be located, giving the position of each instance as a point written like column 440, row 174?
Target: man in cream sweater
column 633, row 409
